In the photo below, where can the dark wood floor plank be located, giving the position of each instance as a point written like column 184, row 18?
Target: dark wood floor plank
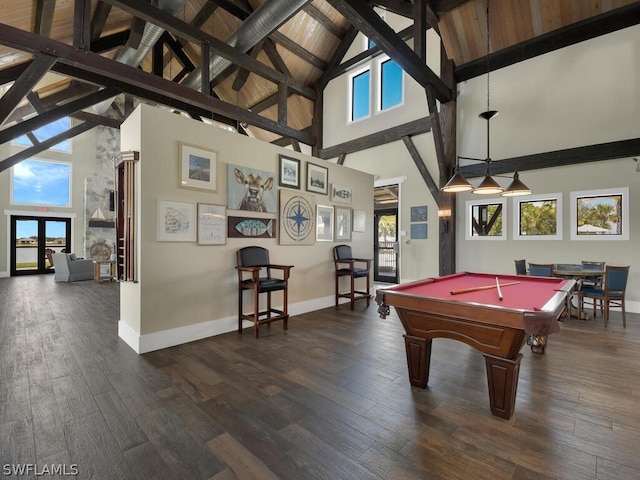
column 238, row 459
column 184, row 454
column 329, row 398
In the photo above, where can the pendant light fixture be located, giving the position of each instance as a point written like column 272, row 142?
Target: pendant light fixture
column 488, row 186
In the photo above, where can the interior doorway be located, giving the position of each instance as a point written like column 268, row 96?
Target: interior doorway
column 385, row 241
column 33, row 241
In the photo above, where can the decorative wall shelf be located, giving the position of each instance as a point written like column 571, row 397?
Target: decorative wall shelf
column 102, row 224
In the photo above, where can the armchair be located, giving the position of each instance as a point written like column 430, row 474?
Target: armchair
column 347, row 266
column 69, row 269
column 252, row 265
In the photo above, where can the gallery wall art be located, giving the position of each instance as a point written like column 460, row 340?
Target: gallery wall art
column 297, row 218
column 251, row 189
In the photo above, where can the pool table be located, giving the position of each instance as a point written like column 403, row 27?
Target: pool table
column 466, row 307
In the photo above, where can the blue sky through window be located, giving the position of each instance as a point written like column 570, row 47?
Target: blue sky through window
column 48, row 131
column 360, row 87
column 42, row 183
column 391, row 84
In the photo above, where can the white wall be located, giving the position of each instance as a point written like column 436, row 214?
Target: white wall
column 585, row 94
column 187, row 291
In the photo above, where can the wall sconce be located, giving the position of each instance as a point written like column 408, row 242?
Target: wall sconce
column 444, row 214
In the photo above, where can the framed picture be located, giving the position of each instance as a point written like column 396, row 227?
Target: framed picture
column 297, row 218
column 289, row 172
column 198, row 168
column 324, row 223
column 341, row 194
column 251, row 190
column 212, row 224
column 419, row 214
column 343, row 224
column 317, row 178
column 359, row 220
column 418, row 231
column 176, row 221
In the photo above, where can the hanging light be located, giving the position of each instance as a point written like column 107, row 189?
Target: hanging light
column 517, row 188
column 488, row 186
column 457, row 183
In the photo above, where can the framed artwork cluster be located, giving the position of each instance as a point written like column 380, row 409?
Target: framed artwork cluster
column 419, row 216
column 255, row 201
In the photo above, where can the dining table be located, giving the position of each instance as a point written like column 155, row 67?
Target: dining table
column 579, row 273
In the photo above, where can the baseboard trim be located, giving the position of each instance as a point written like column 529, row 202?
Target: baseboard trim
column 189, row 333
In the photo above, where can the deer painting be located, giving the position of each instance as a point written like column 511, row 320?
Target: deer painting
column 254, row 189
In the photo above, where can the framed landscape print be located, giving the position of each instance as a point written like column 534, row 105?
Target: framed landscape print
column 317, row 178
column 198, row 168
column 289, row 172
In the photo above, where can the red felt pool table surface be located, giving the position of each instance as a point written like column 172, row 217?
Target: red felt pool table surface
column 498, row 328
column 530, row 293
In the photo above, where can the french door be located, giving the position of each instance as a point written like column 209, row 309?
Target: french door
column 385, row 246
column 33, row 241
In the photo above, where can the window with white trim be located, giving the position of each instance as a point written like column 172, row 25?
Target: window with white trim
column 360, row 94
column 390, row 91
column 538, row 217
column 41, row 182
column 486, row 219
column 44, row 133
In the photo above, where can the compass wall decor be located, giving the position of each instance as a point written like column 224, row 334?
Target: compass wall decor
column 297, row 218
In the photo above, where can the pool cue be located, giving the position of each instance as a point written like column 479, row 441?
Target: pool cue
column 500, row 297
column 475, row 289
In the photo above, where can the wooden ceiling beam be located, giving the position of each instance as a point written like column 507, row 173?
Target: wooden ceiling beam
column 99, row 19
column 109, row 42
column 82, row 24
column 54, row 114
column 45, row 145
column 360, row 14
column 298, row 50
column 181, row 29
column 24, row 84
column 44, row 17
column 393, row 134
column 558, row 158
column 589, row 28
column 323, row 20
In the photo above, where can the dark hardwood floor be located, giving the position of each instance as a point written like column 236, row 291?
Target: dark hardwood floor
column 329, row 399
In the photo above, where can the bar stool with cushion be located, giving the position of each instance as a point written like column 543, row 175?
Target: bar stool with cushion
column 254, row 274
column 347, row 266
column 612, row 295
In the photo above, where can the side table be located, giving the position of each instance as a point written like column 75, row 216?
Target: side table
column 97, row 270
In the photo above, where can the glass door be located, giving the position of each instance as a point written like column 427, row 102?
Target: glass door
column 385, row 259
column 34, row 240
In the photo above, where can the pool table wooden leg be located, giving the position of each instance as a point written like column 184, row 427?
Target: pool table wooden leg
column 418, row 359
column 502, row 377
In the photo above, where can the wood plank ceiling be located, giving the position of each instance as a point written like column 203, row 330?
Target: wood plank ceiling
column 59, row 58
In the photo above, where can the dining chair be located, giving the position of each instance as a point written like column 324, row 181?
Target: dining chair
column 521, row 267
column 541, row 269
column 612, row 294
column 594, row 281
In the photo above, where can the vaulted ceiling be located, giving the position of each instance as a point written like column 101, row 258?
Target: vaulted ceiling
column 269, row 60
